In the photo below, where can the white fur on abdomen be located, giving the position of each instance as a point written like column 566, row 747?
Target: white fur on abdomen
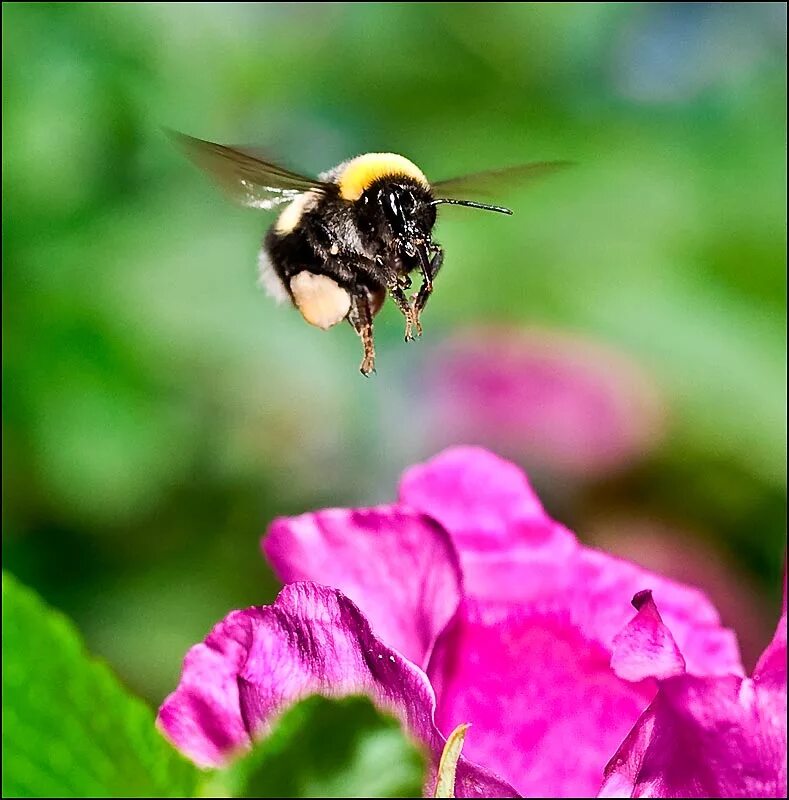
column 269, row 280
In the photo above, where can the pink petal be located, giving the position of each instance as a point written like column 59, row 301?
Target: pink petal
column 471, row 491
column 604, row 582
column 397, row 565
column 769, row 676
column 512, row 552
column 646, row 648
column 529, row 666
column 547, row 710
column 535, row 674
column 313, row 640
column 201, row 717
column 721, row 736
column 703, row 737
column 495, row 521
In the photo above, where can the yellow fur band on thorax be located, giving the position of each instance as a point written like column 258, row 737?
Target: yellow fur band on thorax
column 360, row 172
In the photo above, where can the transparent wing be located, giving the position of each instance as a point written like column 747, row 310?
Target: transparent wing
column 246, row 175
column 496, row 181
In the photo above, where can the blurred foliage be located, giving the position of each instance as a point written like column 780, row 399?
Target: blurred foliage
column 159, row 410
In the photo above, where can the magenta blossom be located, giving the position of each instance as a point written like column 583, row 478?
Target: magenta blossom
column 463, row 602
column 564, row 403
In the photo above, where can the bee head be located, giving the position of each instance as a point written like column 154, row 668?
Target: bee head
column 400, row 214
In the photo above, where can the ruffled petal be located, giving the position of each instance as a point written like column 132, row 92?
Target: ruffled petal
column 535, row 675
column 722, row 736
column 605, row 583
column 312, row 640
column 397, row 565
column 703, row 737
column 201, row 717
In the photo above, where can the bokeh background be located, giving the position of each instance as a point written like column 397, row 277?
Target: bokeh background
column 622, row 336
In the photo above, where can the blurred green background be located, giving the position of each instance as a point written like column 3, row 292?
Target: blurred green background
column 159, row 410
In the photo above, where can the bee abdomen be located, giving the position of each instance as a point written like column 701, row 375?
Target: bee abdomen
column 269, row 279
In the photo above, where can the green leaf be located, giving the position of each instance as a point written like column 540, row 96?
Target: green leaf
column 69, row 728
column 329, row 748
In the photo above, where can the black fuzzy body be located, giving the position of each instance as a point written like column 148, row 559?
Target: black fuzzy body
column 360, row 244
column 347, row 239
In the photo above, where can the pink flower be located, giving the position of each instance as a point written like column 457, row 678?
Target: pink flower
column 312, row 640
column 719, row 736
column 462, row 602
column 563, row 403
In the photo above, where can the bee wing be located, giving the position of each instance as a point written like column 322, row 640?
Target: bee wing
column 245, row 175
column 495, row 181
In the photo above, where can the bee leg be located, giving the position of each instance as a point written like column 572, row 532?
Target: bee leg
column 361, row 318
column 429, row 271
column 399, row 296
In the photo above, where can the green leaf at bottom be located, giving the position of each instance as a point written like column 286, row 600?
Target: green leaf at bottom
column 69, row 728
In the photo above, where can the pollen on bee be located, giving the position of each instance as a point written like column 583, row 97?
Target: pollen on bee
column 321, row 300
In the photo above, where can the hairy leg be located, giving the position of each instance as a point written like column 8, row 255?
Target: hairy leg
column 429, row 270
column 361, row 318
column 395, row 288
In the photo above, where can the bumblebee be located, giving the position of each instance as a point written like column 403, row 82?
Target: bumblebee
column 346, row 239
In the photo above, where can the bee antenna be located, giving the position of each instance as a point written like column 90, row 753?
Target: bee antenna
column 470, row 204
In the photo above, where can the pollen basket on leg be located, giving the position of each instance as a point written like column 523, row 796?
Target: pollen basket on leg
column 356, row 175
column 321, row 301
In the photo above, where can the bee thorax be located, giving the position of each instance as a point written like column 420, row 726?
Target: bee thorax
column 294, row 211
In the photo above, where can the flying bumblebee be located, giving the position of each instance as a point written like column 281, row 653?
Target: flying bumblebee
column 347, row 238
